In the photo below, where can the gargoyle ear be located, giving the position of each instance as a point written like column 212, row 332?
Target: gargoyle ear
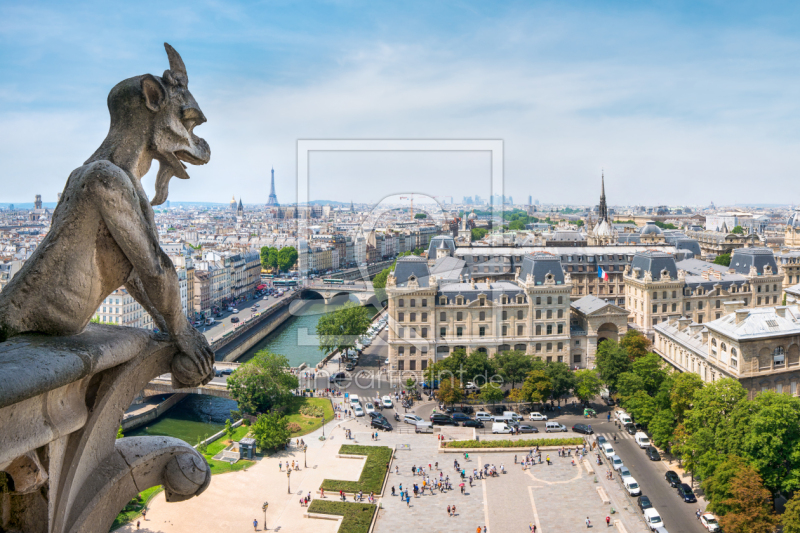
column 154, row 93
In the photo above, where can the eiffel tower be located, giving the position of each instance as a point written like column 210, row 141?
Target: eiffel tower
column 273, row 199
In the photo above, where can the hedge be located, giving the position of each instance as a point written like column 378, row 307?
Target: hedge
column 375, row 469
column 523, row 443
column 357, row 516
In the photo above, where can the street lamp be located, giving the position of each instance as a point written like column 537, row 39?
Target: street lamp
column 289, row 481
column 305, row 455
column 264, row 508
column 323, row 427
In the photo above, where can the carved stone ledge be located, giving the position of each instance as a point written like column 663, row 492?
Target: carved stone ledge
column 61, row 402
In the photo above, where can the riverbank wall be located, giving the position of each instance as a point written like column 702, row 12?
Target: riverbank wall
column 147, row 413
column 247, row 336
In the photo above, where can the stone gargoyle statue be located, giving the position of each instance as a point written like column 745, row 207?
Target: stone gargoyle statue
column 103, row 232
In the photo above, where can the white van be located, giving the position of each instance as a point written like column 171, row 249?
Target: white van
column 500, row 427
column 512, row 415
column 632, row 486
column 554, row 427
column 483, row 416
column 503, row 419
column 623, row 417
column 653, row 519
column 642, row 439
column 423, row 427
column 608, row 451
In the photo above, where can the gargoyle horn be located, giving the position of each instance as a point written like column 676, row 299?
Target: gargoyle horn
column 176, row 66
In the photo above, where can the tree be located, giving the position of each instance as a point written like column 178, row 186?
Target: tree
column 750, row 505
column 635, row 344
column 478, row 233
column 587, row 385
column 229, row 429
column 452, row 366
column 662, row 427
column 287, row 257
column 491, row 393
column 411, row 383
column 681, row 396
column 449, row 391
column 517, row 225
column 562, row 380
column 341, row 328
column 665, row 225
column 717, row 487
column 628, row 384
column 516, row 396
column 642, row 406
column 723, row 259
column 537, row 387
column 650, row 368
column 791, row 515
column 478, row 368
column 420, row 215
column 262, row 383
column 513, row 366
column 271, row 431
column 738, row 230
column 612, row 360
column 269, row 257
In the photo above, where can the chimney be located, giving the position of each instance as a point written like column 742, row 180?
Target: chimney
column 683, row 322
column 781, row 311
column 741, row 314
column 705, row 335
column 732, row 305
column 694, row 327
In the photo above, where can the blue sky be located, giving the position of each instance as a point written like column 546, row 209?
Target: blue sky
column 679, row 102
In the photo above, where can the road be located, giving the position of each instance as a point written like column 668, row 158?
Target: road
column 224, row 323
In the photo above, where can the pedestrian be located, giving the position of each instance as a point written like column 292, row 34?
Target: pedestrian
column 608, row 521
column 255, row 525
column 408, row 500
column 414, row 470
column 515, row 458
column 479, row 529
column 448, row 510
column 437, row 465
column 454, row 510
column 137, row 524
column 396, row 469
column 588, row 522
column 144, row 514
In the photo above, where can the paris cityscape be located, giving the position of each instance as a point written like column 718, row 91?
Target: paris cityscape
column 443, row 268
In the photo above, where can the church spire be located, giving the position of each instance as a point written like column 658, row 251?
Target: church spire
column 603, row 209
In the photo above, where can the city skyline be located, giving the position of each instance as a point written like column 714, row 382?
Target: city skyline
column 685, row 96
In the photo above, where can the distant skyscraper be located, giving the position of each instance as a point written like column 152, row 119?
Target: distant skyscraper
column 273, row 199
column 530, row 200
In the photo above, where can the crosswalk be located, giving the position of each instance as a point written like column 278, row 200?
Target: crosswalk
column 621, row 435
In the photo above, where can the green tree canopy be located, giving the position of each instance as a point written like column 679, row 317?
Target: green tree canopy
column 738, row 230
column 269, row 257
column 612, row 360
column 420, row 215
column 682, row 394
column 749, row 506
column 537, row 387
column 478, row 233
column 478, row 368
column 635, row 344
column 628, row 384
column 341, row 328
column 791, row 515
column 642, row 406
column 491, row 393
column 449, row 391
column 587, row 385
column 717, row 487
column 452, row 366
column 662, row 427
column 513, row 366
column 287, row 257
column 562, row 379
column 271, row 431
column 723, row 259
column 262, row 383
column 518, row 225
column 651, row 369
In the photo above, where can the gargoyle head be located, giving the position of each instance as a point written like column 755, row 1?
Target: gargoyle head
column 165, row 112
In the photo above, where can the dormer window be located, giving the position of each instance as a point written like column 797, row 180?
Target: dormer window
column 459, row 300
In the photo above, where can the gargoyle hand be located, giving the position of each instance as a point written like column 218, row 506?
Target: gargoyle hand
column 194, row 365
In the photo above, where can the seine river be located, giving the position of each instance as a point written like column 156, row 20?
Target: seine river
column 198, row 415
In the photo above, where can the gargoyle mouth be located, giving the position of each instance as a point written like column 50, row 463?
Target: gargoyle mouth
column 190, row 158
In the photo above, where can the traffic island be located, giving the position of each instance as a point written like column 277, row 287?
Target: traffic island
column 373, row 474
column 356, row 517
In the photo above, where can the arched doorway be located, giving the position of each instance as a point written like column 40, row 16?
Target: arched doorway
column 607, row 331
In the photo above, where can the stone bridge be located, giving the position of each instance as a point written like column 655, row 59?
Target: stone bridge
column 163, row 385
column 363, row 292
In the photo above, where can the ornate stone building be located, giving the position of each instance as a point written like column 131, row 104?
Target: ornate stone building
column 759, row 347
column 792, row 233
column 659, row 289
column 713, row 243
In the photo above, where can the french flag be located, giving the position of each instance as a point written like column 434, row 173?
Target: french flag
column 602, row 274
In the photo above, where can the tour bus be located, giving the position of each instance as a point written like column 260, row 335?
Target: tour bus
column 330, row 281
column 284, row 283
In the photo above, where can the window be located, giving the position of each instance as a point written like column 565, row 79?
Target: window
column 655, row 296
column 424, row 364
column 779, row 388
column 717, row 304
column 519, row 314
column 424, row 332
column 400, row 302
column 759, row 288
column 443, row 300
column 482, row 315
column 759, row 300
column 442, row 316
column 560, row 329
column 504, row 331
column 664, row 308
column 413, row 350
column 576, row 358
column 560, row 346
column 424, row 317
column 778, row 356
column 549, row 329
column 424, row 302
column 412, row 365
column 538, row 347
column 549, row 300
column 412, row 317
column 549, row 313
column 538, row 314
column 664, row 295
column 505, row 315
column 520, row 329
column 401, row 364
column 674, row 307
column 560, row 299
column 699, row 319
column 459, row 300
column 442, row 332
column 413, row 302
column 538, row 329
column 459, row 316
column 700, row 304
column 482, row 301
column 401, row 350
column 655, row 308
column 401, row 332
column 688, row 306
column 560, row 313
column 774, row 288
column 538, row 300
column 459, row 331
column 482, row 331
column 549, row 346
column 674, row 294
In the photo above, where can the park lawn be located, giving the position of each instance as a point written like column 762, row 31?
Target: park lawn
column 133, row 509
column 375, row 469
column 522, row 443
column 223, row 467
column 218, row 445
column 306, row 423
column 357, row 516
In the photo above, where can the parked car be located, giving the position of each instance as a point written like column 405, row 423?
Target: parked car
column 608, row 451
column 600, row 440
column 624, row 473
column 369, row 408
column 358, row 410
column 381, row 423
column 483, row 416
column 644, row 503
column 536, row 416
column 582, row 428
column 630, row 428
column 349, row 367
column 234, row 320
column 709, row 521
column 460, row 417
column 686, row 493
column 386, row 401
column 337, row 377
column 554, row 426
column 653, row 519
column 470, row 386
column 616, row 462
column 412, row 419
column 473, row 423
column 527, row 429
column 672, row 478
column 631, row 486
column 374, row 414
column 652, row 454
column 235, row 311
column 443, row 420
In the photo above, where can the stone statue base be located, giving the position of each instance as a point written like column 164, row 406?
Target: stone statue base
column 62, row 400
